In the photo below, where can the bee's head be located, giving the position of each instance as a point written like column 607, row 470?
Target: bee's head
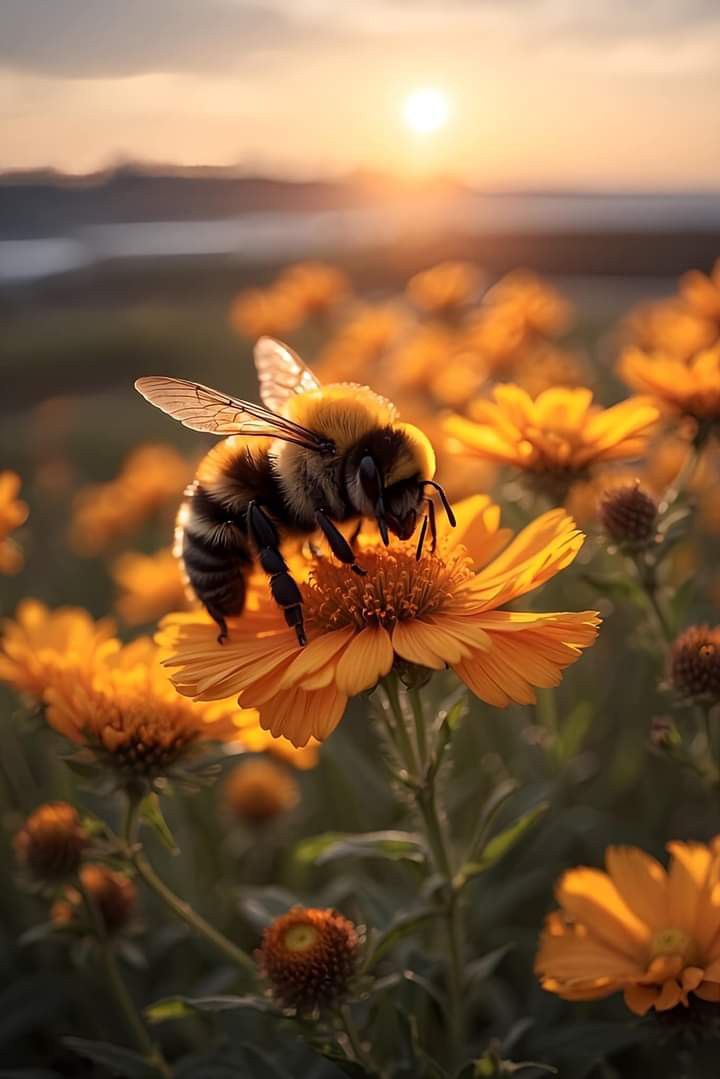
column 387, row 475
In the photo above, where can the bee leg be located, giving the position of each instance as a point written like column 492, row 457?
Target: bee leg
column 338, row 544
column 221, row 624
column 432, row 521
column 283, row 588
column 355, row 533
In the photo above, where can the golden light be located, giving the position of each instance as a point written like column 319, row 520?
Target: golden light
column 426, row 110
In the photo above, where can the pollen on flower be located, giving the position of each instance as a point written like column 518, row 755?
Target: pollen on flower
column 397, row 587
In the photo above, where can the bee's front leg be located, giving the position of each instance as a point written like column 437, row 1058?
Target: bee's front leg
column 283, row 587
column 338, row 544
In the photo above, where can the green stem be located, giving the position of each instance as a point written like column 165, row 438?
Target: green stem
column 135, row 1025
column 688, row 468
column 178, row 906
column 402, row 735
column 420, row 728
column 647, row 577
column 439, row 847
column 355, row 1040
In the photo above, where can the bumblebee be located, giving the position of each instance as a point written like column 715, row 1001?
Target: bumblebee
column 307, row 459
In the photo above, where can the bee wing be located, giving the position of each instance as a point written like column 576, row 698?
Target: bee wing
column 204, row 409
column 281, row 373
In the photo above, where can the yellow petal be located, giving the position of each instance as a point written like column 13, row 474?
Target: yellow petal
column 367, row 658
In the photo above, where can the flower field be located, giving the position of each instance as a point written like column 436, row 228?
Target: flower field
column 426, row 787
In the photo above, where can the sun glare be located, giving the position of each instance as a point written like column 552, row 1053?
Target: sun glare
column 425, row 110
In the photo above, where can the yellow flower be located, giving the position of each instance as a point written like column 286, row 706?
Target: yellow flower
column 544, row 366
column 671, row 326
column 274, row 311
column 652, row 934
column 444, row 288
column 361, row 343
column 542, row 308
column 39, row 642
column 690, row 388
column 702, row 292
column 438, row 611
column 151, row 586
column 259, row 790
column 13, row 513
column 151, row 479
column 125, row 709
column 316, row 286
column 560, row 434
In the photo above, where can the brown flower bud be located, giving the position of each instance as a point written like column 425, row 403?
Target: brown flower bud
column 629, row 516
column 51, row 842
column 309, row 956
column 113, row 894
column 695, row 663
column 258, row 790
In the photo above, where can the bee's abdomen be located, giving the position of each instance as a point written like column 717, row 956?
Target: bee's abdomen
column 215, row 552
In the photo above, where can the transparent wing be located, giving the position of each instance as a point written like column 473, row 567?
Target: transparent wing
column 281, row 373
column 204, row 409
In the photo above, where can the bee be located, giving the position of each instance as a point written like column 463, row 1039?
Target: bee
column 307, row 459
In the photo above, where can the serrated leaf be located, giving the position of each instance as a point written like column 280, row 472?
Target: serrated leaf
column 118, row 1060
column 152, row 814
column 393, row 845
column 401, row 927
column 180, row 1007
column 501, row 844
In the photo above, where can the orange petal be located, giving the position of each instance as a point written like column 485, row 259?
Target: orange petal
column 640, row 998
column 367, row 658
column 642, row 882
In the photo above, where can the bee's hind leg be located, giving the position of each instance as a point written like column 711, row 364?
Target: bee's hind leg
column 338, row 544
column 283, row 587
column 221, row 624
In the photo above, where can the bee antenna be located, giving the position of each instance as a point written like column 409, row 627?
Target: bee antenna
column 444, row 499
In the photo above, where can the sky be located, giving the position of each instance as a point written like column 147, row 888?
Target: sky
column 586, row 94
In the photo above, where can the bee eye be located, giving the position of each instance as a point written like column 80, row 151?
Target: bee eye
column 370, row 479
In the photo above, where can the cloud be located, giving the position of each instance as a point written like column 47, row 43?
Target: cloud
column 111, row 38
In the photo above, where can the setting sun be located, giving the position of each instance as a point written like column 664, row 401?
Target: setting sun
column 426, row 110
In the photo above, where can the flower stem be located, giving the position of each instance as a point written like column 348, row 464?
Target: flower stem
column 353, row 1036
column 135, row 1025
column 647, row 577
column 426, row 795
column 688, row 468
column 178, row 906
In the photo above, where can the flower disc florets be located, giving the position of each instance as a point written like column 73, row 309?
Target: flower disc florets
column 397, row 588
column 309, row 957
column 51, row 842
column 695, row 663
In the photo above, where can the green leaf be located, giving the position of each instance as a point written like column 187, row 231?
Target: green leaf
column 118, row 1060
column 501, row 844
column 393, row 845
column 151, row 813
column 480, row 969
column 574, row 729
column 401, row 927
column 180, row 1007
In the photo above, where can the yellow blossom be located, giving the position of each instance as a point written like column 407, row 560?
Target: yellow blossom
column 13, row 513
column 151, row 586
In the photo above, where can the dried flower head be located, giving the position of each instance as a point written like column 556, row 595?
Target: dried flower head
column 629, row 516
column 695, row 663
column 258, row 790
column 113, row 894
column 51, row 842
column 308, row 956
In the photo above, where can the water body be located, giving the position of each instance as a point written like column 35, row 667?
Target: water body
column 272, row 236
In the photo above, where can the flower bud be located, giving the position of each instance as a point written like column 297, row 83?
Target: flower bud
column 695, row 663
column 258, row 790
column 629, row 516
column 309, row 957
column 113, row 894
column 51, row 842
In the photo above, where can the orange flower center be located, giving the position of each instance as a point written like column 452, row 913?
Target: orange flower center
column 675, row 942
column 397, row 587
column 301, row 938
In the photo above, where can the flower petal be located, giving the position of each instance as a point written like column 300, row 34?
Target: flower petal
column 367, row 658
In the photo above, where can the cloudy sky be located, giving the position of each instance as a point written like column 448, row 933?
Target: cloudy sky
column 566, row 93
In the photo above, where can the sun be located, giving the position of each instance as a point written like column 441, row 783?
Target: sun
column 426, row 110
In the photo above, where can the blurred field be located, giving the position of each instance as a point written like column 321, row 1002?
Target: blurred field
column 70, row 348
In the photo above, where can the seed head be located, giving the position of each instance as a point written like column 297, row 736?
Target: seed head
column 695, row 663
column 113, row 894
column 51, row 842
column 309, row 956
column 629, row 516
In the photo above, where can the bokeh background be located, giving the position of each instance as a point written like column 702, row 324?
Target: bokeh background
column 159, row 161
